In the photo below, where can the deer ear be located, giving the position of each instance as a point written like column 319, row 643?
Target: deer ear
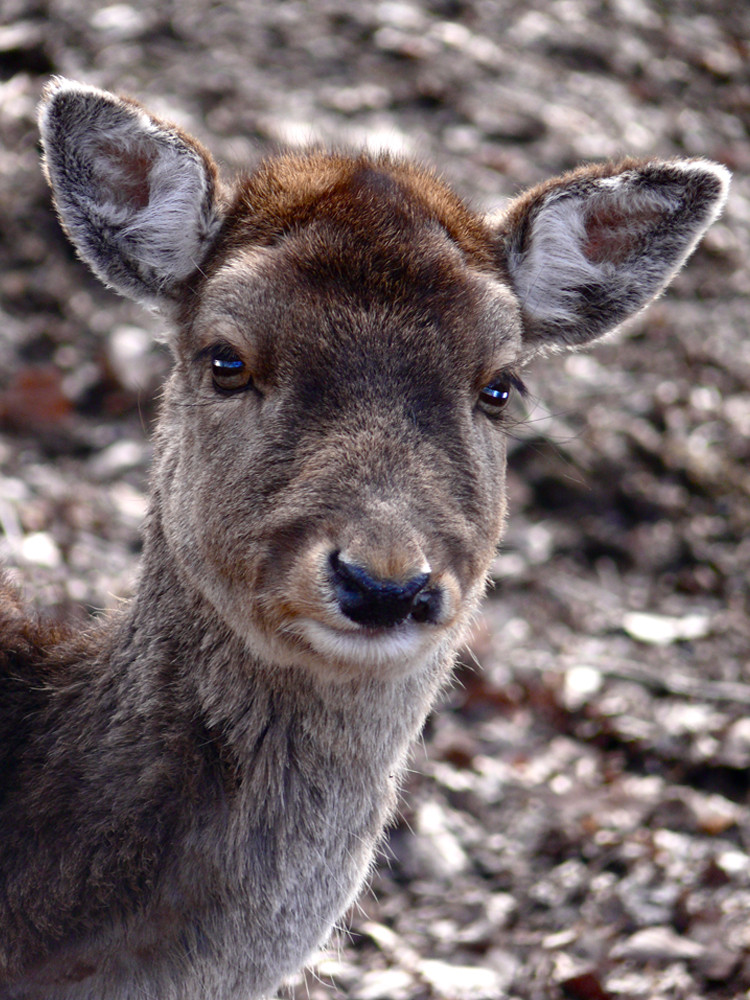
column 589, row 249
column 135, row 195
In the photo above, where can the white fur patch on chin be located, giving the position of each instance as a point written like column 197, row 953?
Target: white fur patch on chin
column 405, row 644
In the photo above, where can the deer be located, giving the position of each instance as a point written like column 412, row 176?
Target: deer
column 193, row 788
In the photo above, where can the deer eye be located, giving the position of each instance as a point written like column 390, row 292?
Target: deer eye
column 495, row 396
column 228, row 371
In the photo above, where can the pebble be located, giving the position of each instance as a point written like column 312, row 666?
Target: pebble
column 460, row 982
column 384, row 984
column 41, row 549
column 658, row 944
column 131, row 504
column 737, row 743
column 118, row 22
column 439, row 849
column 662, row 630
column 581, row 682
column 118, row 458
column 129, row 352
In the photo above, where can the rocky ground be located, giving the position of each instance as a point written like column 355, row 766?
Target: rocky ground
column 577, row 822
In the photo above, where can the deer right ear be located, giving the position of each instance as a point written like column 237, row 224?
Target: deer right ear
column 587, row 250
column 136, row 196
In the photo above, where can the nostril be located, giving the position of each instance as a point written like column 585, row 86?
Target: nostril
column 378, row 603
column 427, row 605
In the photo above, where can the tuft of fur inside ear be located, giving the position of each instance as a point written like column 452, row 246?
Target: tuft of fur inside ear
column 136, row 195
column 588, row 250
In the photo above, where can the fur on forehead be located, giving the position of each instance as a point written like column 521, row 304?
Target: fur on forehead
column 359, row 229
column 377, row 197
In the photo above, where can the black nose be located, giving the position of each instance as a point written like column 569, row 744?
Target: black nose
column 381, row 603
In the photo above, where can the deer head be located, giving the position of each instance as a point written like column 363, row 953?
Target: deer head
column 347, row 335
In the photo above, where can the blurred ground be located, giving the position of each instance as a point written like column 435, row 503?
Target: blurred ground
column 577, row 824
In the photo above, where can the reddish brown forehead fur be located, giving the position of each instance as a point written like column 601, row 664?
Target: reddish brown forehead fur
column 378, row 197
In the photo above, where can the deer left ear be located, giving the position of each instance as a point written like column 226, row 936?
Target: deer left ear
column 136, row 195
column 587, row 250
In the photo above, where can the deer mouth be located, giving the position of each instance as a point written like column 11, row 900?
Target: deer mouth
column 405, row 643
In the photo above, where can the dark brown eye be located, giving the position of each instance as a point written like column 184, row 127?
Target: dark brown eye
column 496, row 395
column 229, row 371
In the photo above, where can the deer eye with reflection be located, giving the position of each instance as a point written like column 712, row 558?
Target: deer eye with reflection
column 497, row 394
column 228, row 371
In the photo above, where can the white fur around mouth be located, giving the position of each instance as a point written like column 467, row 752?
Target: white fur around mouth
column 374, row 646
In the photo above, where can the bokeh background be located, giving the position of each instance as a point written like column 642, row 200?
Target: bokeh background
column 576, row 823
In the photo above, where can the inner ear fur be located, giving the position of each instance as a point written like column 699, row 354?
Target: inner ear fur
column 587, row 250
column 136, row 195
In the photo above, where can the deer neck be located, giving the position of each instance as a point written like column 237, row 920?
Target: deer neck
column 302, row 771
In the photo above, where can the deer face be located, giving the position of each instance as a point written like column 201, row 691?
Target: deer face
column 336, row 433
column 331, row 455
